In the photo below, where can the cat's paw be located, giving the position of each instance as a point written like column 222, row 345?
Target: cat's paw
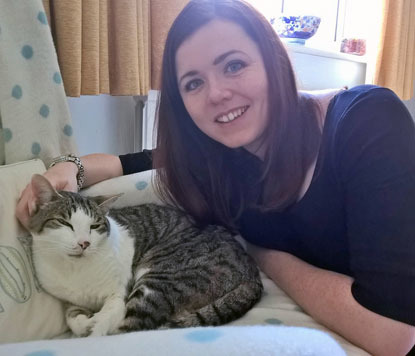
column 104, row 324
column 99, row 329
column 73, row 311
column 80, row 321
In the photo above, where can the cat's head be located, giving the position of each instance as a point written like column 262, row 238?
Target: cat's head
column 67, row 223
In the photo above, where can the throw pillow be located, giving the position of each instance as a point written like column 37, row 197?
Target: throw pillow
column 26, row 311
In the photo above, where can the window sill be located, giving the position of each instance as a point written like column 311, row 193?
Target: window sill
column 312, row 51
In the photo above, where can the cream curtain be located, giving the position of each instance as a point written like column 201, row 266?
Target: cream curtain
column 110, row 46
column 395, row 65
column 163, row 13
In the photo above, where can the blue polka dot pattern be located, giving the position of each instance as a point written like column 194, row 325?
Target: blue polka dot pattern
column 67, row 130
column 204, row 336
column 36, row 148
column 273, row 321
column 7, row 135
column 41, row 16
column 44, row 111
column 57, row 78
column 27, row 51
column 41, row 353
column 17, row 92
column 141, row 185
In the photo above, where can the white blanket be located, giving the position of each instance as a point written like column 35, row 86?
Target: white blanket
column 225, row 340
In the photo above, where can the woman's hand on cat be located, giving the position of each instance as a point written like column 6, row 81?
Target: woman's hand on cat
column 62, row 176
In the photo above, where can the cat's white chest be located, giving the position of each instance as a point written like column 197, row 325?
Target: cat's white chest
column 88, row 280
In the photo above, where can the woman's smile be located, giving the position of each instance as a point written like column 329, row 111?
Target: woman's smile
column 231, row 115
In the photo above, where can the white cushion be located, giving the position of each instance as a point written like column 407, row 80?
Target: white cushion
column 1, row 145
column 26, row 312
column 135, row 188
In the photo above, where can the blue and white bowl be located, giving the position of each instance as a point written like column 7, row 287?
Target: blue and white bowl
column 296, row 28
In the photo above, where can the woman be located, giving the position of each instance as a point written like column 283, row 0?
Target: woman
column 325, row 189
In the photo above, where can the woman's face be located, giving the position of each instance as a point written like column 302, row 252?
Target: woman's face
column 222, row 81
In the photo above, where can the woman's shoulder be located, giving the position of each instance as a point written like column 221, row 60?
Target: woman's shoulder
column 367, row 106
column 360, row 95
column 362, row 117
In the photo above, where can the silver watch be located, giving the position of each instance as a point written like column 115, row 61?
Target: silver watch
column 80, row 177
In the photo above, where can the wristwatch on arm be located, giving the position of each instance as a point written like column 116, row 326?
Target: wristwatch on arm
column 80, row 177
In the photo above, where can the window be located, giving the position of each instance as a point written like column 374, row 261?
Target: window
column 339, row 19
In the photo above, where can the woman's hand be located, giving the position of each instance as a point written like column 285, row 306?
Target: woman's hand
column 62, row 176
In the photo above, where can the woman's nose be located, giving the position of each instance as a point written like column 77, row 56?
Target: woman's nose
column 218, row 92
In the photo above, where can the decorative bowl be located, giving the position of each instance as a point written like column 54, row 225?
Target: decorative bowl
column 296, row 28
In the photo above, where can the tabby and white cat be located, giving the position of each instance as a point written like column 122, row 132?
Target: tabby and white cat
column 136, row 268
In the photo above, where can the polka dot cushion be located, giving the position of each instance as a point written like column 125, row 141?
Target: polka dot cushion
column 35, row 121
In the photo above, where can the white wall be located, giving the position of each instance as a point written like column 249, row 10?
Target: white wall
column 410, row 104
column 104, row 123
column 317, row 69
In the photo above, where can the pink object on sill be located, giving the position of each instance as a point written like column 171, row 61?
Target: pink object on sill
column 355, row 46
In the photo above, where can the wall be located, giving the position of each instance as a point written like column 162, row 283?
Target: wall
column 410, row 104
column 105, row 124
column 317, row 69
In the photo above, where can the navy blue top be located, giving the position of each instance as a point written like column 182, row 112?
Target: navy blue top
column 358, row 214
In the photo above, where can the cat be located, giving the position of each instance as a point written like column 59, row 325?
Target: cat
column 136, row 268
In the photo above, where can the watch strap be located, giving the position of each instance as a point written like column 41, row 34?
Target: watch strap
column 80, row 177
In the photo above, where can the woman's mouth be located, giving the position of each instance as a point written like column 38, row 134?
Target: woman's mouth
column 232, row 115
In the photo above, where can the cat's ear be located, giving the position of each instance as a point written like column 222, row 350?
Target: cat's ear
column 105, row 201
column 43, row 191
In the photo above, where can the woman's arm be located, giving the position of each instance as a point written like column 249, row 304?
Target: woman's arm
column 327, row 297
column 62, row 176
column 100, row 166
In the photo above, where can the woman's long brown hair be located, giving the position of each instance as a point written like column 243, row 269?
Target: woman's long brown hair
column 196, row 173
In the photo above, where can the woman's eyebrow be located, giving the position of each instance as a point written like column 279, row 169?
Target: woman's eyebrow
column 224, row 55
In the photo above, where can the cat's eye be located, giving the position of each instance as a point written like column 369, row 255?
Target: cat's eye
column 95, row 226
column 65, row 223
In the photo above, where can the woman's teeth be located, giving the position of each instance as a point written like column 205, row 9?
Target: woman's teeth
column 232, row 115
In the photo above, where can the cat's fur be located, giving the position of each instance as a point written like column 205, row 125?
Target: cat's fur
column 135, row 268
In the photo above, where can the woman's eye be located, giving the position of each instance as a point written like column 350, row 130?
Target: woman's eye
column 193, row 84
column 234, row 66
column 95, row 226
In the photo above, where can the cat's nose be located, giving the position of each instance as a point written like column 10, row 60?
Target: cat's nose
column 84, row 244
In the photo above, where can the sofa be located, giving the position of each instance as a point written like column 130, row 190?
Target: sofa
column 32, row 322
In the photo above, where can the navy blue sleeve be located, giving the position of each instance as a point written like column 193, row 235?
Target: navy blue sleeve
column 375, row 159
column 136, row 162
